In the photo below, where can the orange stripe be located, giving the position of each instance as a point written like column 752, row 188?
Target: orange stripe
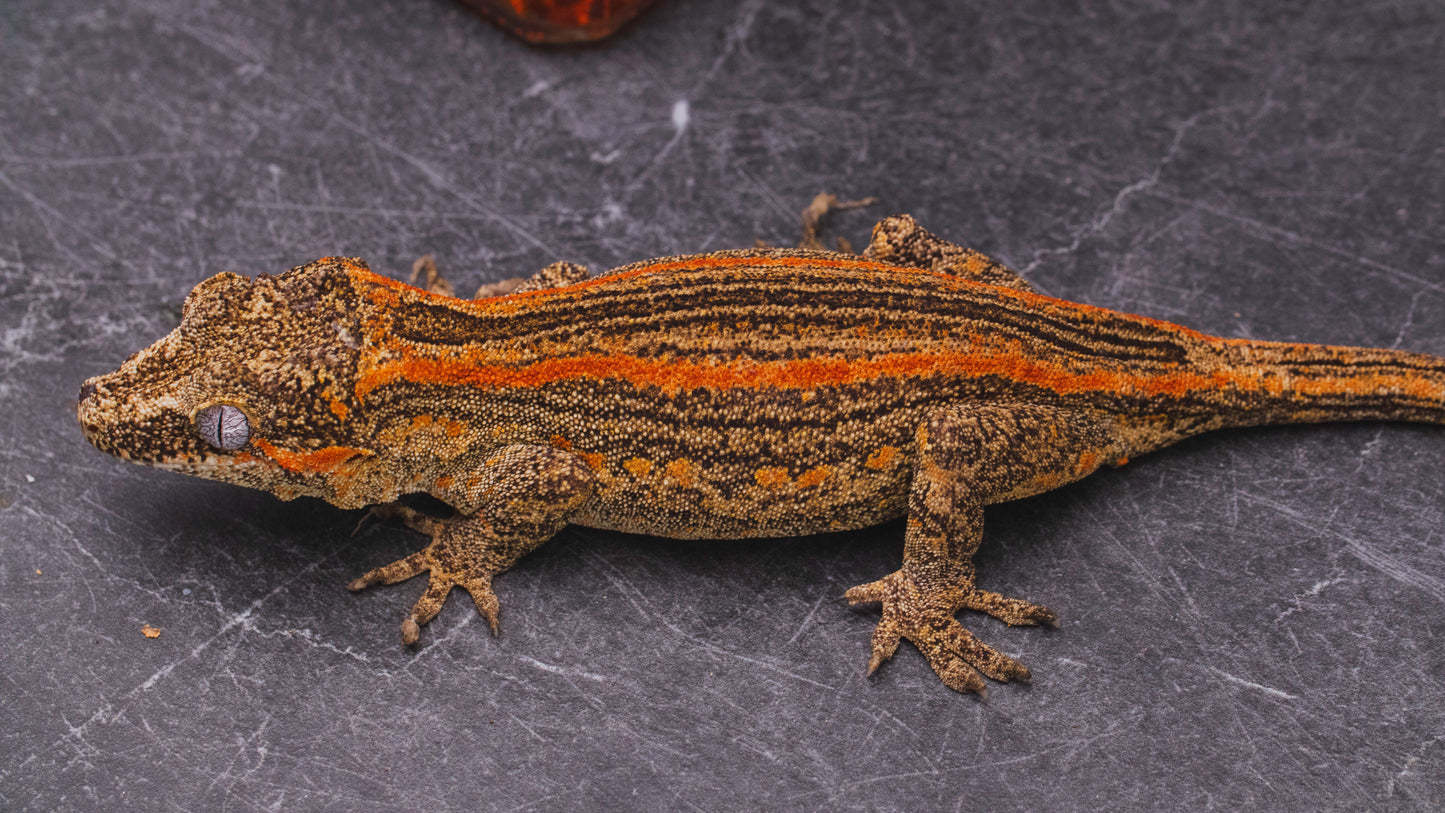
column 706, row 262
column 809, row 373
column 321, row 461
column 805, row 374
column 676, row 376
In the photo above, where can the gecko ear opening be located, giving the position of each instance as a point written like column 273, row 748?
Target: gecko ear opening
column 223, row 426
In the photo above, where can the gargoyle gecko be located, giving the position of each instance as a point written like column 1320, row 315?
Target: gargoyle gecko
column 753, row 393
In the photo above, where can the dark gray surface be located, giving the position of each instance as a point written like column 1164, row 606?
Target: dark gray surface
column 1250, row 619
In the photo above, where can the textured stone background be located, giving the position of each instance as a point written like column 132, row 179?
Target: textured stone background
column 1253, row 619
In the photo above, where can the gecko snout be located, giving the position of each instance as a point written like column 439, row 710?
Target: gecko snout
column 86, row 409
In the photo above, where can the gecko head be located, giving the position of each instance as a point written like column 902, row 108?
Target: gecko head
column 254, row 387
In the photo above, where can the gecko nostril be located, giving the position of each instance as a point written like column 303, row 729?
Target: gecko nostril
column 87, row 389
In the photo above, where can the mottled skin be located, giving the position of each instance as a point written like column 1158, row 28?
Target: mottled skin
column 754, row 393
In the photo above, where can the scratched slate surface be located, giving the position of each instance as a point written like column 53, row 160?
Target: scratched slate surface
column 1253, row 620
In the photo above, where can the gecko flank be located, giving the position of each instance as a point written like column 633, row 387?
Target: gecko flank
column 759, row 393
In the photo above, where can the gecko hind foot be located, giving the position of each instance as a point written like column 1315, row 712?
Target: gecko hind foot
column 925, row 618
column 442, row 578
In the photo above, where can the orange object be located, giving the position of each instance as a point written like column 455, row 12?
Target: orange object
column 555, row 22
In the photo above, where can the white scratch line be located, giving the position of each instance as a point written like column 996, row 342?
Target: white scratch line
column 1370, row 555
column 1395, row 569
column 1250, row 684
column 1116, row 207
column 1295, row 237
column 717, row 650
column 77, row 733
column 562, row 670
column 809, row 617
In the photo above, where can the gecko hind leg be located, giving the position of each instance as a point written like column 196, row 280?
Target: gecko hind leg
column 899, row 239
column 968, row 458
column 556, row 275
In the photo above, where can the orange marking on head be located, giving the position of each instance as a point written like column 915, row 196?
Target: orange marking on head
column 444, row 481
column 1088, row 461
column 561, row 443
column 772, row 477
column 638, row 466
column 322, row 461
column 882, row 457
column 814, row 476
column 593, row 460
column 339, row 409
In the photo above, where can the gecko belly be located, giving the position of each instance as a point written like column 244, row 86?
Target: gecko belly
column 773, row 504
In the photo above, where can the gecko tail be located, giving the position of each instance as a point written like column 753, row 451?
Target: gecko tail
column 1280, row 382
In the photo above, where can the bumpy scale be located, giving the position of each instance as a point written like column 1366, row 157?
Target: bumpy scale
column 758, row 393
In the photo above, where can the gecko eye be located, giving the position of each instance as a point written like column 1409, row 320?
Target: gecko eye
column 223, row 426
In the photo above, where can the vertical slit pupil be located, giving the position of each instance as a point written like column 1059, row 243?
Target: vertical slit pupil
column 224, row 427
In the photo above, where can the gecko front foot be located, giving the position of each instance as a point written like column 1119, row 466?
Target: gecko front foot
column 451, row 560
column 925, row 617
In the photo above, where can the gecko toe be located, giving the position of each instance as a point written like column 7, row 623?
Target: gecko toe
column 486, row 601
column 885, row 642
column 869, row 593
column 410, row 631
column 1012, row 611
column 398, row 571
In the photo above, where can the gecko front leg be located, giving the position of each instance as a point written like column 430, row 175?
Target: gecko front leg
column 526, row 495
column 969, row 457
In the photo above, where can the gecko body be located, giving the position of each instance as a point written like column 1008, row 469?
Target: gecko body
column 757, row 393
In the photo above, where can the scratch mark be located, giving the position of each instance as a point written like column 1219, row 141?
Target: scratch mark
column 1102, row 220
column 562, row 670
column 1252, row 685
column 1369, row 554
column 1295, row 237
column 1409, row 320
column 717, row 650
column 630, row 592
column 736, row 35
column 518, row 721
column 809, row 617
